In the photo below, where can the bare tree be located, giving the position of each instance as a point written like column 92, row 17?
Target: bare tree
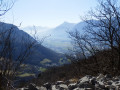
column 83, row 48
column 101, row 32
column 14, row 50
column 104, row 26
column 5, row 6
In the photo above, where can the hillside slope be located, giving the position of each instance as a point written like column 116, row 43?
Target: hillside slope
column 39, row 51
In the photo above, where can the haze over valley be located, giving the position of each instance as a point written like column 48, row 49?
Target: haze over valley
column 57, row 38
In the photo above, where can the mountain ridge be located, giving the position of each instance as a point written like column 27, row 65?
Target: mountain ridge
column 58, row 38
column 40, row 52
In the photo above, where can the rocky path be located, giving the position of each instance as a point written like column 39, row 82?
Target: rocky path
column 88, row 82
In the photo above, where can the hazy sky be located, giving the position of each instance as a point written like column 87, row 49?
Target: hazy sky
column 48, row 13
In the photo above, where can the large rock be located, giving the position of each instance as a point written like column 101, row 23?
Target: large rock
column 54, row 87
column 100, row 77
column 48, row 86
column 42, row 88
column 85, row 79
column 62, row 87
column 93, row 81
column 59, row 82
column 108, row 76
column 72, row 86
column 32, row 87
column 86, row 85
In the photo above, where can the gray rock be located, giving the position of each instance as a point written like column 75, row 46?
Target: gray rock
column 54, row 87
column 86, row 85
column 85, row 79
column 32, row 87
column 62, row 87
column 108, row 76
column 72, row 86
column 93, row 81
column 101, row 76
column 42, row 88
column 21, row 89
column 115, row 79
column 77, row 89
column 110, row 87
column 98, row 86
column 109, row 83
column 47, row 86
column 59, row 82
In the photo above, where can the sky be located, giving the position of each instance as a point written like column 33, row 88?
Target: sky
column 47, row 13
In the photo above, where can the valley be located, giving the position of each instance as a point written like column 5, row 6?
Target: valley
column 56, row 38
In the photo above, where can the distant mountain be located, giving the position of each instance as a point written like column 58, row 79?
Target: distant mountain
column 58, row 37
column 65, row 25
column 60, row 31
column 40, row 52
column 79, row 26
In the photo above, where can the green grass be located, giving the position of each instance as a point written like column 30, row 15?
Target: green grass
column 69, row 60
column 42, row 69
column 44, row 61
column 26, row 75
